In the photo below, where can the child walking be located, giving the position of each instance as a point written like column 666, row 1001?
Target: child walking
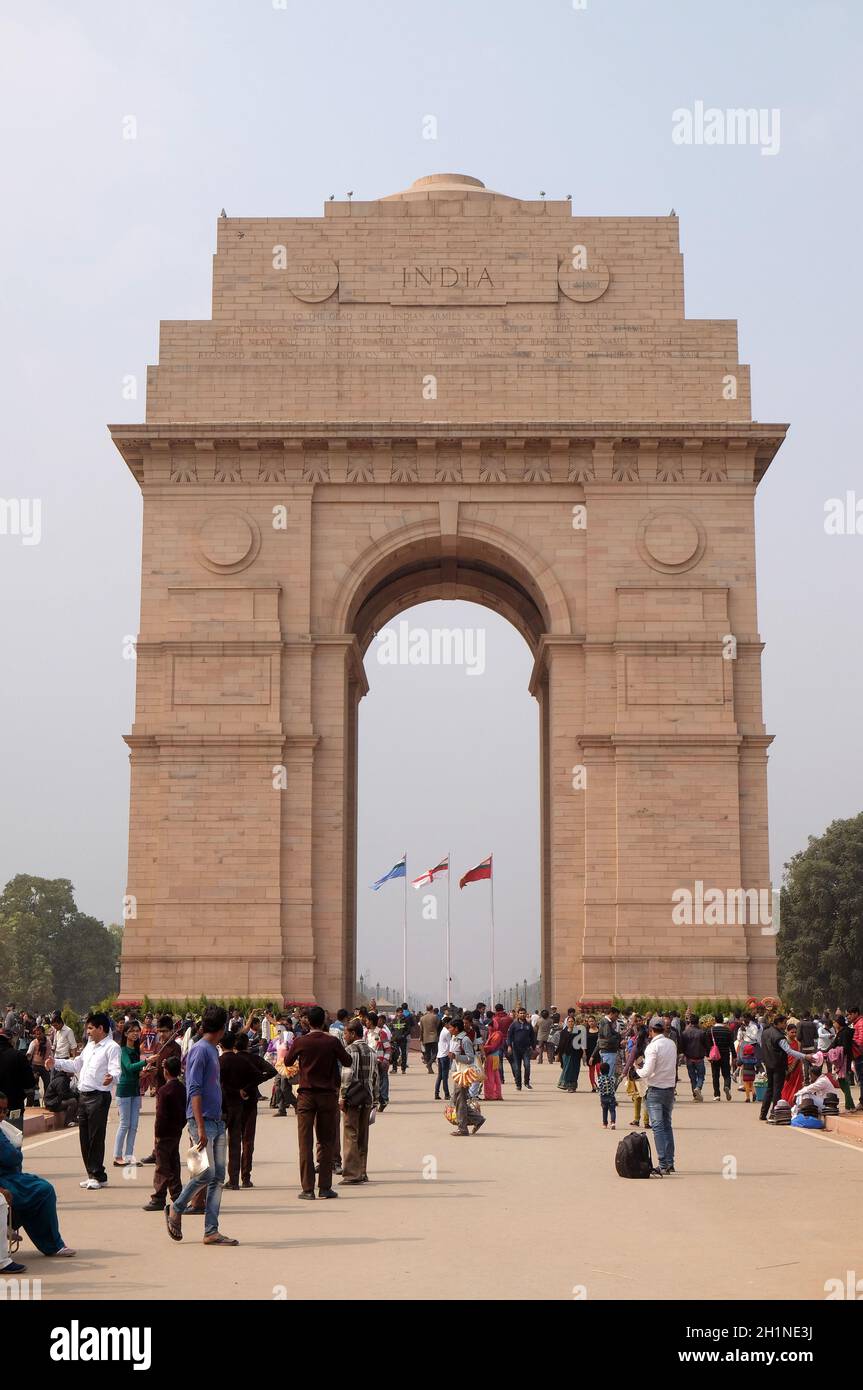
column 607, row 1086
column 748, row 1067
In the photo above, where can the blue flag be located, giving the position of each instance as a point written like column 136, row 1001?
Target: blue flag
column 398, row 870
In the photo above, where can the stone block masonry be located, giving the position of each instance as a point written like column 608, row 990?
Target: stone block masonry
column 446, row 393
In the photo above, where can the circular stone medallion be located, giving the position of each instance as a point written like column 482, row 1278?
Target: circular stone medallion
column 228, row 541
column 583, row 285
column 312, row 281
column 671, row 541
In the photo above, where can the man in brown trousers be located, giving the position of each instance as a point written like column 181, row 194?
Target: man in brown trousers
column 170, row 1123
column 429, row 1030
column 359, row 1093
column 319, row 1056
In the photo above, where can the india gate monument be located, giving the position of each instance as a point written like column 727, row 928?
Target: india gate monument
column 447, row 393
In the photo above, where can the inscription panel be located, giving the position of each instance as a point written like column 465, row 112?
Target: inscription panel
column 359, row 333
column 432, row 278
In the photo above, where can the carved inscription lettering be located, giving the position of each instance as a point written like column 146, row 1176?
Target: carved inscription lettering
column 445, row 277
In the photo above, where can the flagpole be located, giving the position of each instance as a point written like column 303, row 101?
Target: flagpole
column 405, row 937
column 492, row 890
column 447, row 991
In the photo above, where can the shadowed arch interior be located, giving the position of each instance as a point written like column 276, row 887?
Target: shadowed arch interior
column 448, row 568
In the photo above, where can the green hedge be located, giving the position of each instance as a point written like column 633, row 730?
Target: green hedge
column 699, row 1007
column 178, row 1007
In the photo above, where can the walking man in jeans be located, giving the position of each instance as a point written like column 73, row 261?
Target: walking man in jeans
column 694, row 1048
column 443, row 1061
column 608, row 1040
column 98, row 1070
column 206, row 1128
column 520, row 1041
column 658, row 1068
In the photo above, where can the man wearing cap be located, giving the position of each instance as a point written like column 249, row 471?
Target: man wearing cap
column 658, row 1067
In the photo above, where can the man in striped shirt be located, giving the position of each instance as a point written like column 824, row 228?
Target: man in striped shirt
column 358, row 1095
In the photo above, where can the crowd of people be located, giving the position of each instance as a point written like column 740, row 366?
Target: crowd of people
column 335, row 1074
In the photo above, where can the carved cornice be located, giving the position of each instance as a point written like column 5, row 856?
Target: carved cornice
column 315, row 454
column 239, row 746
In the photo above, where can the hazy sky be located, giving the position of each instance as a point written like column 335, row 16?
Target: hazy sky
column 267, row 110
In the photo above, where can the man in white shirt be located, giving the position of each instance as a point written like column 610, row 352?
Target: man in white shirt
column 98, row 1071
column 269, row 1026
column 443, row 1061
column 658, row 1067
column 64, row 1044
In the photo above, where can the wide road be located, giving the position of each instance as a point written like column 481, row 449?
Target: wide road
column 753, row 1212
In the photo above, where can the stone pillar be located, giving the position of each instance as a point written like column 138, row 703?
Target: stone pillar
column 139, row 942
column 338, row 683
column 755, row 864
column 558, row 682
column 294, row 885
column 600, row 868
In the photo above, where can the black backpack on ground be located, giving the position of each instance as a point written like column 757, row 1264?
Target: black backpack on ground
column 633, row 1158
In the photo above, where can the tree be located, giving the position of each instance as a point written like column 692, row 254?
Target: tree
column 50, row 953
column 28, row 974
column 820, row 944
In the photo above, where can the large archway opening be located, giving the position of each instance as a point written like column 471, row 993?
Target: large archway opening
column 448, row 758
column 448, row 764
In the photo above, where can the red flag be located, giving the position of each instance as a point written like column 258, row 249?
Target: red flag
column 482, row 870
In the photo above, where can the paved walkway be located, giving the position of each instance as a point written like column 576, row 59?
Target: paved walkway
column 536, row 1191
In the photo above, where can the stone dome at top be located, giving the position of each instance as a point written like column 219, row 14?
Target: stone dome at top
column 445, row 186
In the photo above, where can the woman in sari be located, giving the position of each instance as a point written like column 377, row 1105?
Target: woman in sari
column 34, row 1200
column 493, row 1049
column 569, row 1056
column 794, row 1074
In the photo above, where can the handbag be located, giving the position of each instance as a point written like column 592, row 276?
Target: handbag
column 197, row 1161
column 836, row 1058
column 714, row 1055
column 13, row 1235
column 357, row 1093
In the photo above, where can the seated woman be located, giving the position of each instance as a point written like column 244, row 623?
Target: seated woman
column 34, row 1200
